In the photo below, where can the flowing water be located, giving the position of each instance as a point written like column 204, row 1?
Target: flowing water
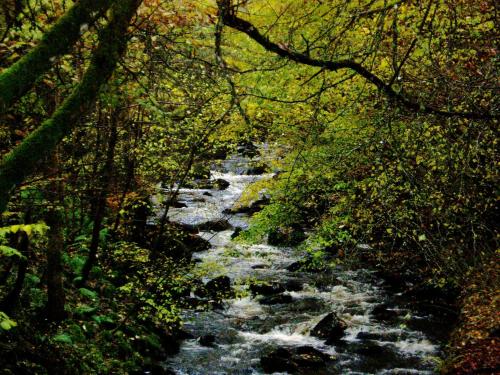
column 245, row 329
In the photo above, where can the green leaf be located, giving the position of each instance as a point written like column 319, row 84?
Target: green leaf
column 63, row 338
column 88, row 293
column 7, row 251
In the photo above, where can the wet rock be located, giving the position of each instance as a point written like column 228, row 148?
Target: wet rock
column 207, row 340
column 377, row 336
column 177, row 204
column 384, row 313
column 196, row 243
column 236, row 232
column 266, row 289
column 279, row 360
column 331, row 328
column 212, row 226
column 215, row 226
column 252, row 208
column 308, row 304
column 293, row 285
column 276, row 299
column 260, row 266
column 219, row 287
column 307, row 356
column 220, row 184
column 294, row 361
column 256, row 170
column 295, row 266
column 372, row 349
column 207, row 194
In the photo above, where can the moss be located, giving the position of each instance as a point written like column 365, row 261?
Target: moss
column 18, row 79
column 22, row 160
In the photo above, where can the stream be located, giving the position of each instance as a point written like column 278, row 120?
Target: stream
column 246, row 329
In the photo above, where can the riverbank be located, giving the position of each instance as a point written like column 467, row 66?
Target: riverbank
column 474, row 347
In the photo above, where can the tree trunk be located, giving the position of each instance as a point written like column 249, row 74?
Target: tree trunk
column 18, row 79
column 22, row 160
column 55, row 290
column 101, row 200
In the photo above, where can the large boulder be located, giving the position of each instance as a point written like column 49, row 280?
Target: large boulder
column 331, row 328
column 214, row 225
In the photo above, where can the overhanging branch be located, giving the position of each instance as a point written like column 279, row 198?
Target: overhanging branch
column 229, row 18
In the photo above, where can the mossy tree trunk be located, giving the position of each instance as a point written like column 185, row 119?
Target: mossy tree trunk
column 19, row 78
column 22, row 160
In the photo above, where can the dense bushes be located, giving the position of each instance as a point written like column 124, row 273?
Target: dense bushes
column 425, row 186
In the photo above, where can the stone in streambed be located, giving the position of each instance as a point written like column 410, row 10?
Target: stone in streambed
column 207, row 340
column 294, row 361
column 266, row 289
column 236, row 232
column 276, row 299
column 384, row 313
column 219, row 287
column 331, row 328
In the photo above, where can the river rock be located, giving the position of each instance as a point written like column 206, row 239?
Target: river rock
column 215, row 225
column 212, row 226
column 266, row 289
column 220, row 184
column 294, row 360
column 256, row 170
column 236, row 232
column 382, row 336
column 293, row 285
column 250, row 209
column 207, row 340
column 308, row 304
column 276, row 299
column 384, row 313
column 177, row 204
column 219, row 287
column 331, row 328
column 196, row 243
